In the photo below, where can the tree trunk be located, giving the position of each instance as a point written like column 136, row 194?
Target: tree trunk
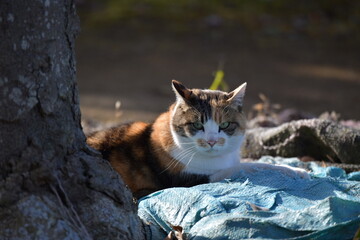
column 52, row 185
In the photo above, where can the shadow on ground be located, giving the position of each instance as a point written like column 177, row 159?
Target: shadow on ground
column 136, row 68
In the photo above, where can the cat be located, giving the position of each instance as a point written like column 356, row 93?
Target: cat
column 198, row 140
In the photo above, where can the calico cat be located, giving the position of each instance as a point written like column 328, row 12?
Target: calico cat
column 196, row 141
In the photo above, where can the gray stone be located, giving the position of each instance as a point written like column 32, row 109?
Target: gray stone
column 321, row 139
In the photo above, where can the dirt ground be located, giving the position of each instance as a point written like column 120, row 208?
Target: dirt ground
column 136, row 68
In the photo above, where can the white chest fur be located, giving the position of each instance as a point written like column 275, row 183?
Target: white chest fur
column 198, row 163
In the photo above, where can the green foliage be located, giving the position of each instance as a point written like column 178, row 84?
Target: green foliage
column 271, row 16
column 219, row 82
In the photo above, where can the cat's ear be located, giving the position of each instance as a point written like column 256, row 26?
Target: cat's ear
column 237, row 96
column 182, row 93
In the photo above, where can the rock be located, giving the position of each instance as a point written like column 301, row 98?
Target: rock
column 321, row 139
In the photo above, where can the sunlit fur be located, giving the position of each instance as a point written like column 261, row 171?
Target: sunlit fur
column 204, row 158
column 209, row 149
column 185, row 146
column 169, row 152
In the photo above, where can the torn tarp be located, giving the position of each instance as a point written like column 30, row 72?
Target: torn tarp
column 262, row 205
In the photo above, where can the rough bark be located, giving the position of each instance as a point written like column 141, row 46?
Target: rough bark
column 51, row 185
column 319, row 139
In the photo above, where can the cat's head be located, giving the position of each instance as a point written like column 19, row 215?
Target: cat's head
column 208, row 122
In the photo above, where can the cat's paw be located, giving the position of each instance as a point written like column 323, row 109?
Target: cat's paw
column 222, row 174
column 303, row 173
column 295, row 172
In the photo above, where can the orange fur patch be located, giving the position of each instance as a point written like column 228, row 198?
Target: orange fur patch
column 202, row 143
column 221, row 141
column 162, row 143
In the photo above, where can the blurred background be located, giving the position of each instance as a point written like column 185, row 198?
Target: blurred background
column 303, row 55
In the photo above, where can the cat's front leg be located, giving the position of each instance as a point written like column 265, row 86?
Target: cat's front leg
column 248, row 168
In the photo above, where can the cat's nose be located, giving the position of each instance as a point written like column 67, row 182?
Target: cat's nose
column 212, row 143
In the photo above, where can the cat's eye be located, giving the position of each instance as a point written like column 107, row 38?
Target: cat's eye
column 198, row 125
column 224, row 125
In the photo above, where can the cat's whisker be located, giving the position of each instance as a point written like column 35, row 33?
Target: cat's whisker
column 169, row 166
column 184, row 152
column 177, row 159
column 183, row 158
column 191, row 158
column 183, row 155
column 189, row 143
column 172, row 162
column 177, row 162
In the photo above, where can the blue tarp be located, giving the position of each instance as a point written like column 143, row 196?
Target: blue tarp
column 261, row 205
